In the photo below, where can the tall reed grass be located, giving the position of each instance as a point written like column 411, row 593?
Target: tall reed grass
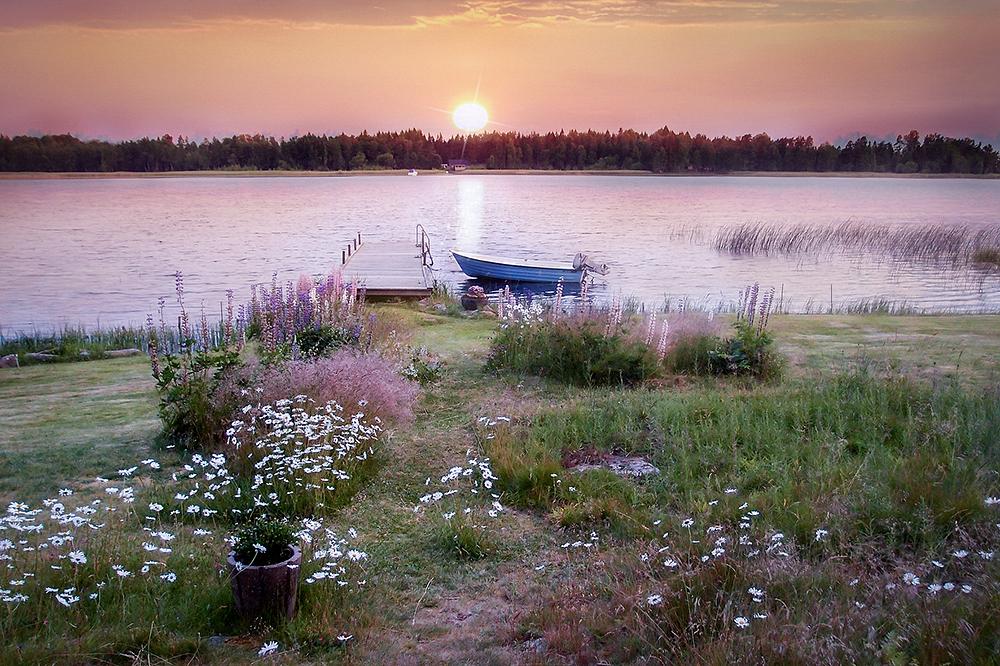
column 929, row 242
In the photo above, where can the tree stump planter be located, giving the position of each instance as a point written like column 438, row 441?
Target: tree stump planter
column 268, row 591
column 471, row 302
column 475, row 298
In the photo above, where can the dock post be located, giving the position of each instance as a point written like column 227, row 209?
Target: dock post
column 343, row 257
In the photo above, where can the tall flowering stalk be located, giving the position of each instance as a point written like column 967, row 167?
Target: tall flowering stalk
column 559, row 296
column 765, row 310
column 206, row 340
column 154, row 357
column 661, row 347
column 228, row 330
column 651, row 330
column 185, row 327
column 614, row 317
column 161, row 305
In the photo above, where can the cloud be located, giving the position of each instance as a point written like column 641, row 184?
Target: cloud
column 129, row 14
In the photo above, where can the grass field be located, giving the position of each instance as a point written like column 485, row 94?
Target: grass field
column 871, row 458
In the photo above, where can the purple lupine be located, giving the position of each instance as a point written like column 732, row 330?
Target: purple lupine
column 241, row 326
column 229, row 315
column 154, row 359
column 185, row 322
column 752, row 302
column 161, row 304
column 291, row 300
column 661, row 347
column 205, row 339
column 254, row 304
column 765, row 310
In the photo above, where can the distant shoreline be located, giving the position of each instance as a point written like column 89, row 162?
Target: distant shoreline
column 249, row 173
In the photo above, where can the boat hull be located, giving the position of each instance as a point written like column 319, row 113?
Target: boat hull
column 493, row 269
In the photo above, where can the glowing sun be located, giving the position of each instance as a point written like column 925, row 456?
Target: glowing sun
column 470, row 117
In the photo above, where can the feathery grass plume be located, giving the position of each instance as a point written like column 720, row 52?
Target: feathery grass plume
column 360, row 382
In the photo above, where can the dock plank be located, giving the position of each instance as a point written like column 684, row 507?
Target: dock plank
column 389, row 269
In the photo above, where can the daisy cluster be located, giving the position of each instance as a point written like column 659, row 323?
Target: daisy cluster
column 296, row 452
column 465, row 491
column 73, row 550
column 333, row 559
column 142, row 528
column 700, row 544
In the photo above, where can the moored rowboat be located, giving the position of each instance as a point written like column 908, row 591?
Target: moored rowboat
column 524, row 270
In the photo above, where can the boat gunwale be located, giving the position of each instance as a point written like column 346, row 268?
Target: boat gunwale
column 516, row 263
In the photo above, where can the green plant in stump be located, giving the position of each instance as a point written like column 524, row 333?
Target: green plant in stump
column 264, row 542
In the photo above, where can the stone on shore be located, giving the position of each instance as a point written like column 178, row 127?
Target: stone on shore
column 122, row 353
column 627, row 466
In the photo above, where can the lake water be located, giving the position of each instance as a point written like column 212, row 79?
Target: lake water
column 102, row 250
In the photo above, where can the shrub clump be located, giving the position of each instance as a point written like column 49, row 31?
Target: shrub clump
column 749, row 351
column 611, row 346
column 263, row 542
column 191, row 413
column 586, row 348
column 315, row 340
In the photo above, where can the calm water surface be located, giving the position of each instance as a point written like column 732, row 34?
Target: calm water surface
column 102, row 251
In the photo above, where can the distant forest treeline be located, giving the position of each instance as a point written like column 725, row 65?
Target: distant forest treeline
column 662, row 151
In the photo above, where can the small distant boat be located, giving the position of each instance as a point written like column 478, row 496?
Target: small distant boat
column 411, row 172
column 524, row 270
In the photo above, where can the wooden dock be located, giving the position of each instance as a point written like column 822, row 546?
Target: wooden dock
column 391, row 268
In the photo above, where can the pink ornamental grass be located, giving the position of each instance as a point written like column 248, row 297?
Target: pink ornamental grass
column 359, row 382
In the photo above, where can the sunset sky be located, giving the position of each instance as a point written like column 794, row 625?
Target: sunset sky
column 829, row 68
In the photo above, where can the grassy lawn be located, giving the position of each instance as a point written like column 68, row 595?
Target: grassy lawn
column 929, row 347
column 70, row 421
column 892, row 465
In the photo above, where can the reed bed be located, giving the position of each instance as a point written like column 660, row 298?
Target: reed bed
column 956, row 244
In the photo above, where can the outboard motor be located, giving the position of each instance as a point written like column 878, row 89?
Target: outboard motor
column 582, row 262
